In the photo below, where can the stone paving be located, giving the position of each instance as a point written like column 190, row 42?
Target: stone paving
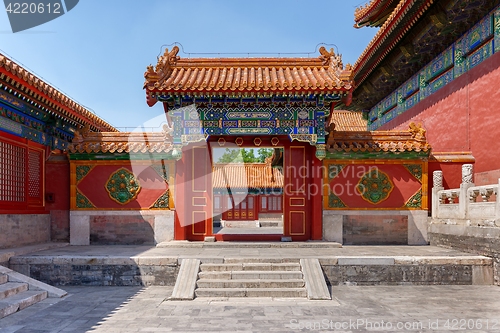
column 352, row 309
column 241, row 250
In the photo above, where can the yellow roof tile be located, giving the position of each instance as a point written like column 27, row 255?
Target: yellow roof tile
column 325, row 73
column 348, row 121
column 248, row 175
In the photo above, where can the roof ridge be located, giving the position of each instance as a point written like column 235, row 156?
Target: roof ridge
column 51, row 92
column 362, row 12
column 173, row 74
column 389, row 24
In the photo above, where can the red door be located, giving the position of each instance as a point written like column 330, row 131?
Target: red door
column 240, row 208
column 297, row 208
column 193, row 194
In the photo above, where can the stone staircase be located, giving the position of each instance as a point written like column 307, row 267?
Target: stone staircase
column 15, row 296
column 250, row 277
column 241, row 278
column 18, row 291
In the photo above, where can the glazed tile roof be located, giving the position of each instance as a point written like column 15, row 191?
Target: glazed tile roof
column 413, row 140
column 17, row 76
column 348, row 121
column 173, row 74
column 389, row 34
column 122, row 142
column 248, row 175
column 373, row 13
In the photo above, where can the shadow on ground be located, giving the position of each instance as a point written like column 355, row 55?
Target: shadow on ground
column 83, row 310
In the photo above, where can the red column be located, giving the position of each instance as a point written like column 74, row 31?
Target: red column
column 180, row 232
column 316, row 195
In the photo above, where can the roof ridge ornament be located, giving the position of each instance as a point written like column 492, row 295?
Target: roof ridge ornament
column 164, row 65
column 330, row 58
column 417, row 131
column 173, row 74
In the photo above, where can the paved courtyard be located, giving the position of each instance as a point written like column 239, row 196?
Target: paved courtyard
column 353, row 309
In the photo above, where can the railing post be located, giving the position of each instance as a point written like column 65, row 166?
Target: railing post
column 437, row 185
column 467, row 181
column 497, row 206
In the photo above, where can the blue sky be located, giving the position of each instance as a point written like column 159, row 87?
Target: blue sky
column 97, row 53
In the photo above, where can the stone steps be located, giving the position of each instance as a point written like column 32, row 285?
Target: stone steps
column 254, row 266
column 18, row 292
column 250, row 283
column 250, row 274
column 20, row 301
column 251, row 292
column 240, row 224
column 11, row 288
column 15, row 296
column 268, row 224
column 251, row 277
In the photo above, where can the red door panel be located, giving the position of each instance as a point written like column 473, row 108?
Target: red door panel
column 194, row 194
column 296, row 207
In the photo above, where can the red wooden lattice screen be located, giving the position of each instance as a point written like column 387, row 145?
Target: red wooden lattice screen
column 21, row 174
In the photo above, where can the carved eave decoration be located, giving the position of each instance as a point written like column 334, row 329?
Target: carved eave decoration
column 205, row 77
column 413, row 140
column 415, row 32
column 122, row 142
column 36, row 89
column 396, row 25
column 374, row 13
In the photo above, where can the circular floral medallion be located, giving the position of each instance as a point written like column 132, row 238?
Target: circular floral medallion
column 122, row 186
column 375, row 186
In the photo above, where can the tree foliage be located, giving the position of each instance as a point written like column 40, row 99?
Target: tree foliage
column 245, row 155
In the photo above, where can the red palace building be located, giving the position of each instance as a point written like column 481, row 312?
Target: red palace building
column 356, row 143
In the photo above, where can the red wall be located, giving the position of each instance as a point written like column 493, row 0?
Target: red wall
column 462, row 117
column 57, row 185
column 93, row 186
column 405, row 185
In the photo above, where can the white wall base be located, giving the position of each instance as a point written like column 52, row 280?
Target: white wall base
column 80, row 224
column 418, row 223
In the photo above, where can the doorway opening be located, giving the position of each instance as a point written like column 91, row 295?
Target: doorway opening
column 248, row 192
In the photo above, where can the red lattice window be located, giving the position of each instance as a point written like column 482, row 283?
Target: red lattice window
column 271, row 203
column 34, row 174
column 12, row 172
column 21, row 173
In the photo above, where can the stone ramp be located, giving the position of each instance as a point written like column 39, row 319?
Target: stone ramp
column 18, row 291
column 186, row 280
column 315, row 281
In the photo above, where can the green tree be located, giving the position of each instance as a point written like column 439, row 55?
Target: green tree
column 231, row 156
column 245, row 155
column 264, row 153
column 248, row 155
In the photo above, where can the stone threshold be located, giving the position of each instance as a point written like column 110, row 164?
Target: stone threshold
column 258, row 245
column 149, row 265
column 6, row 254
column 174, row 260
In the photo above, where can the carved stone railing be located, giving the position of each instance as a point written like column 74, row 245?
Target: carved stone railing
column 484, row 209
column 484, row 191
column 463, row 204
